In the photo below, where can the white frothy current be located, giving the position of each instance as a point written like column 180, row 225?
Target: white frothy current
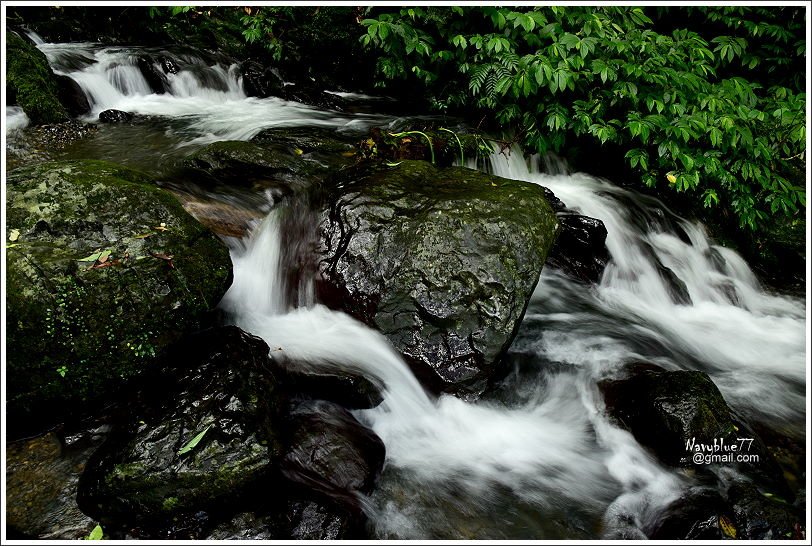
column 206, row 95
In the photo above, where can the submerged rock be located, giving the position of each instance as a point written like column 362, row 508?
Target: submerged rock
column 442, row 261
column 30, row 82
column 330, row 453
column 200, row 438
column 42, row 476
column 115, row 116
column 344, row 387
column 105, row 270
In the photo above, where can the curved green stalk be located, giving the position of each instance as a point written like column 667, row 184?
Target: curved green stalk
column 462, row 154
column 404, row 133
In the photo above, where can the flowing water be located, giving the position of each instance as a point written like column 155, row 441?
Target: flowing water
column 536, row 458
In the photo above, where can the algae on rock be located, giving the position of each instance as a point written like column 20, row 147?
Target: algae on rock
column 105, row 271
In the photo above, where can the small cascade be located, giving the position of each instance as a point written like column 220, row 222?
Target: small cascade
column 750, row 341
column 202, row 94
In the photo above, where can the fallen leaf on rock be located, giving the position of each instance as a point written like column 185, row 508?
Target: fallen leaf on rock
column 193, row 442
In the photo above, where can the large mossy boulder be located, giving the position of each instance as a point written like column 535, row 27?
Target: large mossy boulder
column 105, row 270
column 203, row 433
column 442, row 261
column 30, row 82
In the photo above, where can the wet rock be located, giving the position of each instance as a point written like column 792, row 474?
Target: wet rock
column 305, row 139
column 155, row 77
column 30, row 82
column 330, row 453
column 247, row 526
column 309, row 520
column 580, row 249
column 106, row 271
column 675, row 412
column 762, row 515
column 677, row 289
column 168, row 65
column 42, row 476
column 245, row 163
column 226, row 219
column 202, row 436
column 442, row 261
column 349, row 389
column 71, row 96
column 699, row 514
column 260, row 81
column 114, row 116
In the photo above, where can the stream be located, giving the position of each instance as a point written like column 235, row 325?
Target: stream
column 536, row 457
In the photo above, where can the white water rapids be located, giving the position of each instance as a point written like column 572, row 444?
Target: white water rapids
column 207, row 94
column 449, row 461
column 543, row 462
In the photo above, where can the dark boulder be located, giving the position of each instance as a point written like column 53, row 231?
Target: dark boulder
column 168, row 65
column 71, row 96
column 30, row 82
column 442, row 261
column 105, row 270
column 155, row 77
column 580, row 249
column 329, row 453
column 701, row 513
column 260, row 81
column 203, row 434
column 114, row 116
column 760, row 514
column 676, row 413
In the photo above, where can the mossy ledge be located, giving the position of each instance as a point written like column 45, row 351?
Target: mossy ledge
column 79, row 328
column 30, row 83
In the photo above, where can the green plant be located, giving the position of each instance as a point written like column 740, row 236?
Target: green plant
column 424, row 135
column 706, row 101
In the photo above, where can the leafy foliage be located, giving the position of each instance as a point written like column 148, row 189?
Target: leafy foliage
column 707, row 100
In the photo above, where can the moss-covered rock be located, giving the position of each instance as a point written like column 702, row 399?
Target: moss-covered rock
column 442, row 261
column 30, row 83
column 193, row 439
column 246, row 163
column 105, row 269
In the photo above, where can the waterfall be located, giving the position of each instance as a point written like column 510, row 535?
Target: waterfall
column 205, row 94
column 751, row 342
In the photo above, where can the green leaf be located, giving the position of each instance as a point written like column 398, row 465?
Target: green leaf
column 91, row 258
column 96, row 534
column 193, row 442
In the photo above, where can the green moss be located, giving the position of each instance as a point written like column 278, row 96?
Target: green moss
column 77, row 333
column 30, row 82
